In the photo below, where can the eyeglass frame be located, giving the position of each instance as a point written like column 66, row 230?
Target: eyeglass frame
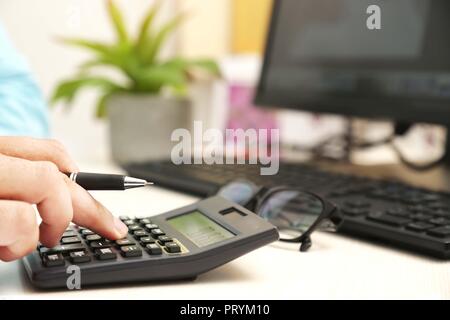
column 329, row 212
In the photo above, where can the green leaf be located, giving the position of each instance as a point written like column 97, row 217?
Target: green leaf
column 154, row 78
column 145, row 27
column 208, row 65
column 117, row 21
column 101, row 109
column 67, row 90
column 97, row 47
column 155, row 45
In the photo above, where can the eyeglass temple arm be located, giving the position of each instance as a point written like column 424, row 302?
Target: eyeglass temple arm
column 306, row 244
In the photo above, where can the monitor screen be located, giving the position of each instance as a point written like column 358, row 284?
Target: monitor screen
column 322, row 56
column 200, row 229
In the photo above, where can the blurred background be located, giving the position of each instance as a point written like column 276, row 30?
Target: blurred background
column 232, row 32
column 219, row 29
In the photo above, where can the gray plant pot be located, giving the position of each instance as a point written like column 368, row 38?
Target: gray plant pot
column 141, row 126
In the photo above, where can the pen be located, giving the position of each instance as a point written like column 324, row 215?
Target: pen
column 99, row 181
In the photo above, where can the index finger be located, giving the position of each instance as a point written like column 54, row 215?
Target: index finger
column 38, row 150
column 89, row 213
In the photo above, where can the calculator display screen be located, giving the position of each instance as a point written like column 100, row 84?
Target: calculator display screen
column 200, row 229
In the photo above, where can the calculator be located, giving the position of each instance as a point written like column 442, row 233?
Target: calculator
column 176, row 245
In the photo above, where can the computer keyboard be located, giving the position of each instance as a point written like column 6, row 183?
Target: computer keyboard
column 392, row 212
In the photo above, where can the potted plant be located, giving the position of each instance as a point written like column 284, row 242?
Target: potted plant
column 151, row 101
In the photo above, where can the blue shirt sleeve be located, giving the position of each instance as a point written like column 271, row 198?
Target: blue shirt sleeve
column 23, row 110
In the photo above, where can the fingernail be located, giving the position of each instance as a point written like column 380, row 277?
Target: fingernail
column 120, row 226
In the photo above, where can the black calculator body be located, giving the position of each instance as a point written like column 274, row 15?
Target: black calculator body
column 175, row 245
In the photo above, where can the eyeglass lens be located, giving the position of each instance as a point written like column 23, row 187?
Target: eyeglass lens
column 292, row 211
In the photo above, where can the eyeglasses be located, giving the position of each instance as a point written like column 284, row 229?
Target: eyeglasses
column 295, row 212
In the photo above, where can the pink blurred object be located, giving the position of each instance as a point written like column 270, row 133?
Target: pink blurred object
column 243, row 114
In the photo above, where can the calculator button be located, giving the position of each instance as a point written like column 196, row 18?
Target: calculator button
column 100, row 244
column 139, row 234
column 123, row 218
column 172, row 247
column 79, row 257
column 145, row 221
column 105, row 254
column 151, row 226
column 86, row 232
column 69, row 233
column 66, row 248
column 131, row 251
column 164, row 239
column 124, row 242
column 128, row 222
column 157, row 232
column 93, row 237
column 70, row 240
column 134, row 227
column 146, row 240
column 153, row 249
column 53, row 260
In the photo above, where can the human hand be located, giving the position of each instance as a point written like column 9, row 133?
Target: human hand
column 30, row 173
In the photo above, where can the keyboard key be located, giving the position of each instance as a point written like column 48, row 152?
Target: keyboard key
column 172, row 247
column 123, row 218
column 164, row 239
column 399, row 212
column 156, row 233
column 440, row 232
column 79, row 257
column 153, row 249
column 146, row 240
column 131, row 251
column 442, row 213
column 421, row 216
column 66, row 248
column 353, row 212
column 53, row 260
column 70, row 240
column 440, row 221
column 69, row 233
column 419, row 226
column 93, row 237
column 124, row 242
column 357, row 204
column 139, row 234
column 105, row 254
column 101, row 244
column 151, row 226
column 388, row 219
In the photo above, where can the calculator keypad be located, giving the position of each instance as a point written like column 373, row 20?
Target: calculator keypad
column 80, row 245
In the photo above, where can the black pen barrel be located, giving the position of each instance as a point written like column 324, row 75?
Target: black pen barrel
column 98, row 181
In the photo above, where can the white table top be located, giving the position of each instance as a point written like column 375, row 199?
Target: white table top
column 336, row 267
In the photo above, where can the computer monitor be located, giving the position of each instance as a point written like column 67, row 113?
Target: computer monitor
column 322, row 57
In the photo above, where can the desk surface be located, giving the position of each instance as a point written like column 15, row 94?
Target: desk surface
column 336, row 267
